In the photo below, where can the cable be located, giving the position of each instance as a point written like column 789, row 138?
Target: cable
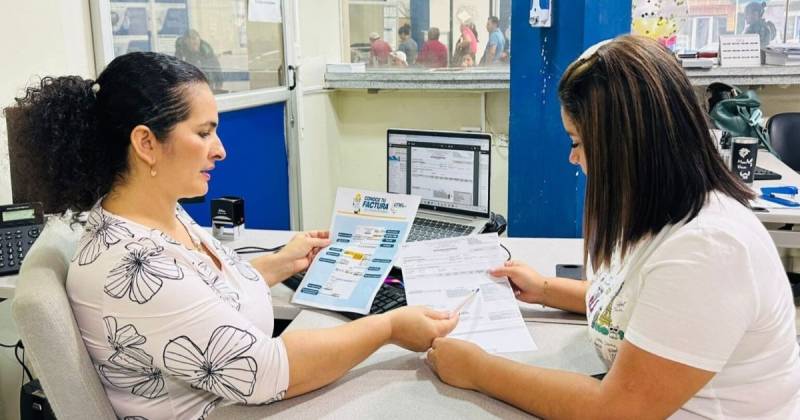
column 17, row 347
column 257, row 249
column 22, row 361
column 507, row 252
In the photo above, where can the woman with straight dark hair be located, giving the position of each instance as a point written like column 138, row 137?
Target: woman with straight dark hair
column 687, row 301
column 175, row 322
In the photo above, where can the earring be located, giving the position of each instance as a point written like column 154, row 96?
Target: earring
column 153, row 171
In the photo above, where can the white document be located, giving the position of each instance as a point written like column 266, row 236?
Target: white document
column 264, row 11
column 442, row 272
column 367, row 230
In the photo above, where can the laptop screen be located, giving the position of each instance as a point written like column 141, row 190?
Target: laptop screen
column 448, row 170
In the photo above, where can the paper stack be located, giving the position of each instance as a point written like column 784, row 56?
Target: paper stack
column 782, row 55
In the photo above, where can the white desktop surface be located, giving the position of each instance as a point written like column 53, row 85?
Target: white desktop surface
column 774, row 219
column 395, row 383
column 789, row 177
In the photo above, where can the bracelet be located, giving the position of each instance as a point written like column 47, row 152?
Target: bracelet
column 544, row 293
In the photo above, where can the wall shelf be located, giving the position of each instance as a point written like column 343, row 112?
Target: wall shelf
column 499, row 79
column 763, row 75
column 449, row 79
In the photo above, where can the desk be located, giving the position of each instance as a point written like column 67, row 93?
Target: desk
column 396, row 383
column 782, row 238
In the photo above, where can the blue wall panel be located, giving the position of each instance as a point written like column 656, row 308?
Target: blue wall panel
column 545, row 192
column 256, row 168
column 421, row 11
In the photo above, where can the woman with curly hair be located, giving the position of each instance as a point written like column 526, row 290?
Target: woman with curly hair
column 175, row 322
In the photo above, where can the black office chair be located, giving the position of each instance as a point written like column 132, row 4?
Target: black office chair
column 784, row 134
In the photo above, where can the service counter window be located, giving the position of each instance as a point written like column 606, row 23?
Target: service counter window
column 237, row 43
column 695, row 25
column 422, row 35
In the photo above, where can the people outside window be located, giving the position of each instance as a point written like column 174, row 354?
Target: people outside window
column 407, row 44
column 193, row 49
column 466, row 61
column 756, row 24
column 467, row 45
column 496, row 44
column 379, row 50
column 433, row 53
column 687, row 300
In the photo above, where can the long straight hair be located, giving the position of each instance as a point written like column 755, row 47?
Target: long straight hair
column 650, row 158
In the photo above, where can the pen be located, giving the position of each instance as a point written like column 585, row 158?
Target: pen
column 466, row 300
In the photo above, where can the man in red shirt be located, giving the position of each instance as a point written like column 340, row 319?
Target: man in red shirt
column 379, row 50
column 433, row 52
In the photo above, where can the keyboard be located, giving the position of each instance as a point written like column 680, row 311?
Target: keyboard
column 425, row 229
column 762, row 174
column 389, row 297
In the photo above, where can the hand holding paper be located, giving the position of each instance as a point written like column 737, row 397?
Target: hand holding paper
column 453, row 275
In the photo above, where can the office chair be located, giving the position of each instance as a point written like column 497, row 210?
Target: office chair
column 47, row 327
column 784, row 134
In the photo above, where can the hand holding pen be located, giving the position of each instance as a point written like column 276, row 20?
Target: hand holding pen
column 468, row 299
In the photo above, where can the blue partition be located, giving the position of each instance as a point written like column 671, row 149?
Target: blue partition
column 256, row 168
column 545, row 192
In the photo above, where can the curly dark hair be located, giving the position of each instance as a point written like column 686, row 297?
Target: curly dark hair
column 79, row 129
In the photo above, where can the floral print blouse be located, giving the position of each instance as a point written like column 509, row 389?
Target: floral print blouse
column 170, row 334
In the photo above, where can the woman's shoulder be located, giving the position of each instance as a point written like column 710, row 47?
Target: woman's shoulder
column 107, row 238
column 724, row 230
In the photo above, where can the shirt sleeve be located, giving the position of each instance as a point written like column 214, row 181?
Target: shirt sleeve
column 696, row 301
column 165, row 318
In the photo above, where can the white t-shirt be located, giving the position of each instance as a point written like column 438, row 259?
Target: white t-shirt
column 711, row 294
column 171, row 336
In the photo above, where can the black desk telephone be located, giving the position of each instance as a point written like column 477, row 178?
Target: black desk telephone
column 20, row 225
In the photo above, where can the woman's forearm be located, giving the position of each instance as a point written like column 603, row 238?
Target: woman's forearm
column 546, row 393
column 319, row 357
column 566, row 294
column 274, row 268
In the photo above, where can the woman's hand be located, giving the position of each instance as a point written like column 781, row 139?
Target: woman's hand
column 456, row 362
column 528, row 285
column 294, row 257
column 301, row 250
column 415, row 327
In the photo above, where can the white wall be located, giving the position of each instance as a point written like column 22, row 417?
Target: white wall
column 39, row 38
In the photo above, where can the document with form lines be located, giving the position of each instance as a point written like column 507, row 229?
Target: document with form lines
column 367, row 230
column 443, row 273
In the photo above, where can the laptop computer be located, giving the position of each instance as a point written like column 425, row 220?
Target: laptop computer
column 450, row 171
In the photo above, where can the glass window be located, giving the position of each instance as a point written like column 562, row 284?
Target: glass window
column 793, row 22
column 237, row 50
column 697, row 24
column 419, row 34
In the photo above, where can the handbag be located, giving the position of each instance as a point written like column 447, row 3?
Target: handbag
column 738, row 113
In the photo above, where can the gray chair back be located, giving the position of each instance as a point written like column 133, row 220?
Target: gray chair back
column 784, row 134
column 49, row 332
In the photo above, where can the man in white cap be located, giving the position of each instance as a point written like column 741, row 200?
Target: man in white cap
column 379, row 50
